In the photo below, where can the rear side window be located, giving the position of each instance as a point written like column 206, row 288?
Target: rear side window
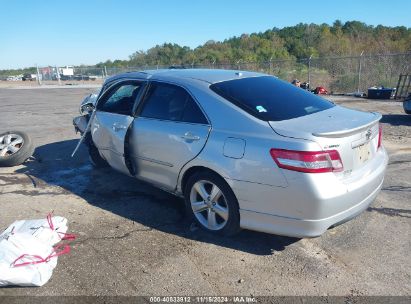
column 269, row 98
column 170, row 102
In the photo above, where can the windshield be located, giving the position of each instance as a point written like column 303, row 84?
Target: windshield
column 269, row 98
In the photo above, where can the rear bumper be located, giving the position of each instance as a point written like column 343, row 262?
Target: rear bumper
column 311, row 203
column 300, row 227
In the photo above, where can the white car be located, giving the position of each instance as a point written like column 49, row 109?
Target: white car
column 245, row 150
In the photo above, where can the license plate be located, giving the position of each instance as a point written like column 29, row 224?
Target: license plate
column 364, row 153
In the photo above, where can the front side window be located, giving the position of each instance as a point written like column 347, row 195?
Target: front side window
column 170, row 102
column 120, row 99
column 269, row 98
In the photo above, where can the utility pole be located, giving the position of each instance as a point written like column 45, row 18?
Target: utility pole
column 359, row 72
column 271, row 65
column 238, row 64
column 38, row 75
column 58, row 75
column 309, row 70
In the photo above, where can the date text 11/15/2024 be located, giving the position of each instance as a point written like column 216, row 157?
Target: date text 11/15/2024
column 203, row 299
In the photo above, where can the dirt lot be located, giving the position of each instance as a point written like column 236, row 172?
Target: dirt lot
column 132, row 239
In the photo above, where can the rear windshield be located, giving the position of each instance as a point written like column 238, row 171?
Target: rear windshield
column 269, row 98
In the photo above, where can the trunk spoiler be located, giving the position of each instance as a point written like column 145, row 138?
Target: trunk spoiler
column 349, row 131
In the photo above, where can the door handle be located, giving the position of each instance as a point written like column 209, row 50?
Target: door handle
column 117, row 127
column 190, row 136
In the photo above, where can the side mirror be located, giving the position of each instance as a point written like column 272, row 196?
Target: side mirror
column 86, row 109
column 88, row 104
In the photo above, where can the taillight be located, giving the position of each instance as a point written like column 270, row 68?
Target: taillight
column 308, row 161
column 379, row 136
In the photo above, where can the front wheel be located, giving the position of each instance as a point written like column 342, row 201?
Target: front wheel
column 212, row 204
column 95, row 158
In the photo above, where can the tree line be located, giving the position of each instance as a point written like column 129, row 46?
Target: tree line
column 288, row 43
column 294, row 42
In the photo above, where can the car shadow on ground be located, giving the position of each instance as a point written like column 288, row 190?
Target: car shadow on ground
column 133, row 199
column 396, row 119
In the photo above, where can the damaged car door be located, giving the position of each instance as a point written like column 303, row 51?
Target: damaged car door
column 170, row 130
column 112, row 119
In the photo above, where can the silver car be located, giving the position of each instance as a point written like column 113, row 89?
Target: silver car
column 245, row 150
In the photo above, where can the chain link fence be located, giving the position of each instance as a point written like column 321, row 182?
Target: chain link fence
column 337, row 74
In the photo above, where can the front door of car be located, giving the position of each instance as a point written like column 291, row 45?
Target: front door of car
column 170, row 130
column 112, row 119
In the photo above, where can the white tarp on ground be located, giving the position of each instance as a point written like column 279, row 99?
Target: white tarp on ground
column 49, row 230
column 27, row 255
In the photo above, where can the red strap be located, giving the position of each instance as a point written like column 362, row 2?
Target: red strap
column 39, row 260
column 57, row 251
column 67, row 236
column 50, row 221
column 63, row 236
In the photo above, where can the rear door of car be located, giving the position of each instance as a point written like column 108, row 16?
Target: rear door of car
column 112, row 120
column 170, row 130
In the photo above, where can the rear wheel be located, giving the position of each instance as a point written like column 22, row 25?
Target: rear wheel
column 212, row 204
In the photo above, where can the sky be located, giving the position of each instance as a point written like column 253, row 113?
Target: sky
column 73, row 32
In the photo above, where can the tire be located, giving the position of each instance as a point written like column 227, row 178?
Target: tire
column 15, row 148
column 218, row 215
column 95, row 158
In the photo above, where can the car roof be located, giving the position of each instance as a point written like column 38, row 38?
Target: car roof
column 207, row 75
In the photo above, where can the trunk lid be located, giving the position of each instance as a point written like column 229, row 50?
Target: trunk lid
column 354, row 134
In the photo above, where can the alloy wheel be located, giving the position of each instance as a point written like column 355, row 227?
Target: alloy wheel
column 209, row 205
column 10, row 144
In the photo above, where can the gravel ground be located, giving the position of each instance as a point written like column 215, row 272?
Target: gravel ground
column 132, row 239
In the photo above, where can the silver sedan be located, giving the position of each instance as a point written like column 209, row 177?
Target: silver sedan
column 245, row 150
